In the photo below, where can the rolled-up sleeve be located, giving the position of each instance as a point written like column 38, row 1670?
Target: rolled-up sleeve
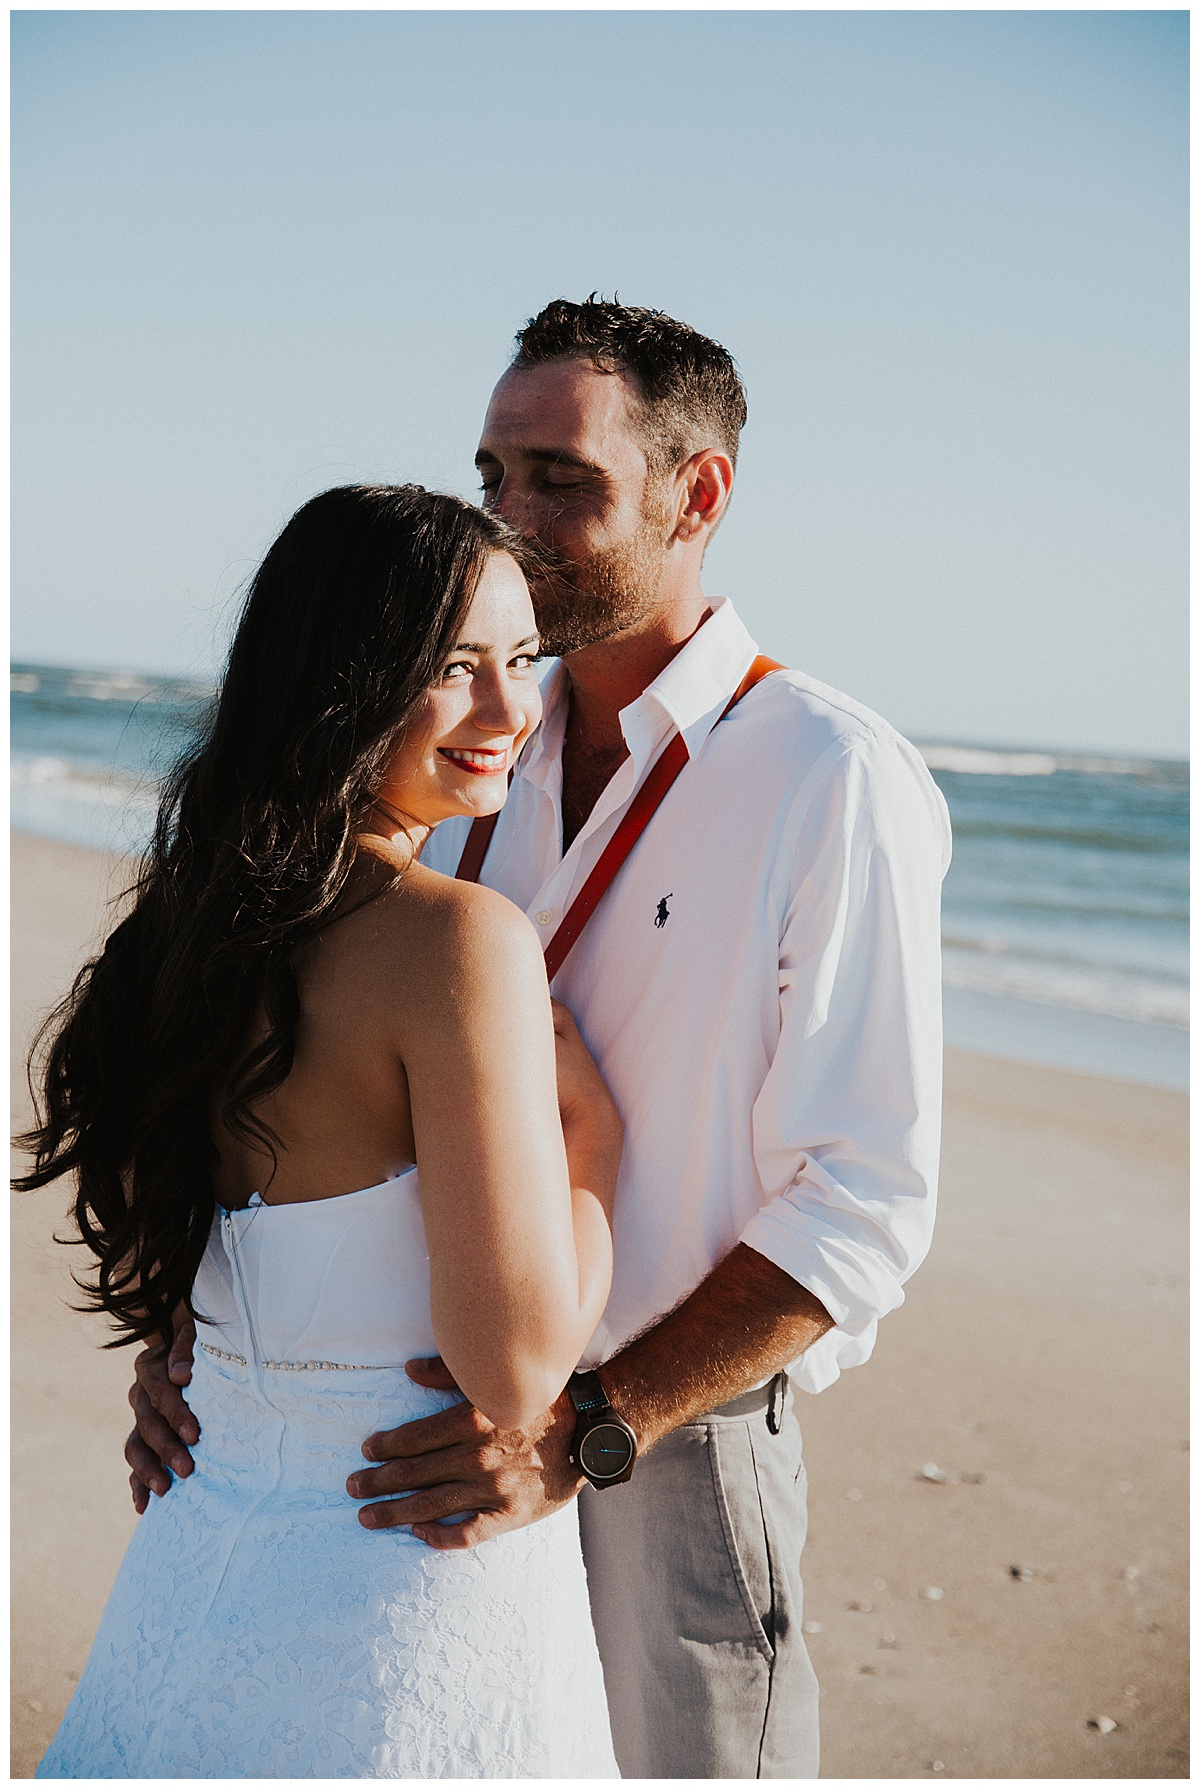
column 847, row 1125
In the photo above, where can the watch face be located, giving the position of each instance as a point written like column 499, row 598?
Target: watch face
column 605, row 1451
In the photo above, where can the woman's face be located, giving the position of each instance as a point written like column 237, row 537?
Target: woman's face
column 461, row 744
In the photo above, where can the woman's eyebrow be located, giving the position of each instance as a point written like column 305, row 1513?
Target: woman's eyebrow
column 473, row 646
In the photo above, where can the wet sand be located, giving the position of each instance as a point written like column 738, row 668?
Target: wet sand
column 1039, row 1365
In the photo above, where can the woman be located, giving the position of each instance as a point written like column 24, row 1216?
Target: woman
column 294, row 1019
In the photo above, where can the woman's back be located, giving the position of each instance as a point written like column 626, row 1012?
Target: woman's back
column 425, row 1032
column 343, row 1116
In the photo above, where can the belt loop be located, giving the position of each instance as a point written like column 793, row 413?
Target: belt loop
column 774, row 1411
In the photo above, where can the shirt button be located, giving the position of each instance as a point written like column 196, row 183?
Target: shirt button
column 544, row 918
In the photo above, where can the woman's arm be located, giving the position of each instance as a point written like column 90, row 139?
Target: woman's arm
column 516, row 1217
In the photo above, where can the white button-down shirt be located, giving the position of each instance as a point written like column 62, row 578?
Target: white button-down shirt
column 760, row 985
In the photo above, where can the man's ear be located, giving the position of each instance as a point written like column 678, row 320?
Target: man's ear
column 702, row 488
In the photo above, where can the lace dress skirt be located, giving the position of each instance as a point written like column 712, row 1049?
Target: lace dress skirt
column 257, row 1630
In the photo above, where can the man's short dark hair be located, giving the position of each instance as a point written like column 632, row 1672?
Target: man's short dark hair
column 691, row 394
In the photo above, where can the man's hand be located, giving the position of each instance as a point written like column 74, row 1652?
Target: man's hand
column 457, row 1461
column 164, row 1422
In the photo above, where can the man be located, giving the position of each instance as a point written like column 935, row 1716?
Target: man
column 760, row 986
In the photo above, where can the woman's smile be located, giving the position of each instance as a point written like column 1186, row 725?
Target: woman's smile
column 480, row 760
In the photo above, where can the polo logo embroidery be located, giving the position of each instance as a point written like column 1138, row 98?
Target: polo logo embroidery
column 662, row 916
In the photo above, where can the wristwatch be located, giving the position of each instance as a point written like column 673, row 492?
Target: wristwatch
column 603, row 1447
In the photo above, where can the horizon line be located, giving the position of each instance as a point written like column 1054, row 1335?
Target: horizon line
column 1024, row 748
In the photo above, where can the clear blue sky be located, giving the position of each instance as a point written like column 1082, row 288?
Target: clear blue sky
column 256, row 254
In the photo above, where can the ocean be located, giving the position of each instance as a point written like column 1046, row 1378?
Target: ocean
column 1065, row 911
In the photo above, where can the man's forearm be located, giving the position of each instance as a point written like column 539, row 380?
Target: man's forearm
column 743, row 1323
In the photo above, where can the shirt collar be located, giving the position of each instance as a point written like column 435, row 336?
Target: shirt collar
column 690, row 694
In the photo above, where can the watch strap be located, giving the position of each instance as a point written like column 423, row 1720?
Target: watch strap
column 586, row 1391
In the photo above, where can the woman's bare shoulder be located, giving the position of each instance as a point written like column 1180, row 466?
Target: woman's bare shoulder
column 433, row 927
column 448, row 906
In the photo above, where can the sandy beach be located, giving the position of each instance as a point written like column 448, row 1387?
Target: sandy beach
column 997, row 1565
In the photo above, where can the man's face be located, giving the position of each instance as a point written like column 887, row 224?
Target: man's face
column 560, row 459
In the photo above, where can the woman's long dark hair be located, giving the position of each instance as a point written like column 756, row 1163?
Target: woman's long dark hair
column 348, row 622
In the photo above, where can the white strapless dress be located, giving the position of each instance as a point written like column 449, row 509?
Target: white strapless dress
column 255, row 1629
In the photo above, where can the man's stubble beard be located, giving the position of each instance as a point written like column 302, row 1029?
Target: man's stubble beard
column 579, row 603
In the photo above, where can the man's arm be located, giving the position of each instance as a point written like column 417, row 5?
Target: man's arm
column 746, row 1321
column 740, row 1325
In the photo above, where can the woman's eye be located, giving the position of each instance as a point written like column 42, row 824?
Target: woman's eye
column 456, row 671
column 525, row 661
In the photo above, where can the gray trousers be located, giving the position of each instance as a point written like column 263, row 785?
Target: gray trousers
column 694, row 1576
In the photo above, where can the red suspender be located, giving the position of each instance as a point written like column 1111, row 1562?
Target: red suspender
column 634, row 822
column 476, row 848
